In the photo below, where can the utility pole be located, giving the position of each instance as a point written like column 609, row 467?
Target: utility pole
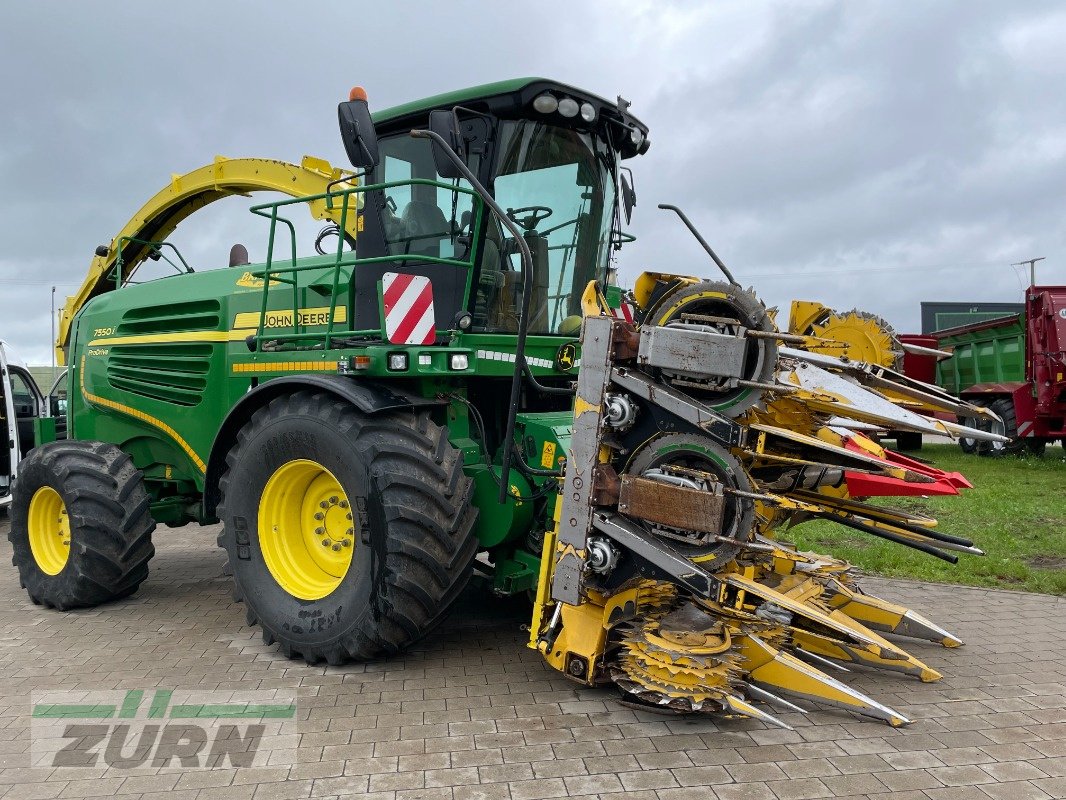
column 1032, row 268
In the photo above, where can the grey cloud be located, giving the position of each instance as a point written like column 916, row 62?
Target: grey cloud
column 863, row 154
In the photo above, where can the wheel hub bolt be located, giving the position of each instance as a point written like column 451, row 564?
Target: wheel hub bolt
column 333, row 500
column 323, row 504
column 319, row 515
column 348, row 515
column 325, row 542
column 320, row 531
column 344, row 503
column 336, row 547
column 347, row 542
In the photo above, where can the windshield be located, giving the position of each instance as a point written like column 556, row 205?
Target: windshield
column 558, row 185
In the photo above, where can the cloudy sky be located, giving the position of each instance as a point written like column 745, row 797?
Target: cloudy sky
column 870, row 154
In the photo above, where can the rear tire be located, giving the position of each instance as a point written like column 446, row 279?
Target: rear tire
column 1017, row 446
column 412, row 531
column 80, row 525
column 968, row 445
column 908, row 440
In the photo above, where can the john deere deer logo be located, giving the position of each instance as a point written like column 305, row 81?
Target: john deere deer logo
column 566, row 357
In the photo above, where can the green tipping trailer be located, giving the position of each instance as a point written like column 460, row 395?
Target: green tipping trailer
column 992, row 351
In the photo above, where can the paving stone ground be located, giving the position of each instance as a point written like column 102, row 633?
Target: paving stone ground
column 472, row 713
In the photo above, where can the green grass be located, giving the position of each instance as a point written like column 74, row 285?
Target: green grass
column 1016, row 513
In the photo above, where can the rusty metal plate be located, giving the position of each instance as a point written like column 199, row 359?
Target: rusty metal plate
column 673, row 506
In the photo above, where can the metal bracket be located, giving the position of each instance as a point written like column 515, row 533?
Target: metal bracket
column 657, row 554
column 693, row 350
column 680, row 405
column 582, row 461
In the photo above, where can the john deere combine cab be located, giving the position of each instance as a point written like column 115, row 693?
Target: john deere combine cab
column 455, row 384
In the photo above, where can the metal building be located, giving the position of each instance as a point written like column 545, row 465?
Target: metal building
column 936, row 316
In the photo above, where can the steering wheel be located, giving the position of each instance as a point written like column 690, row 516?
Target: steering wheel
column 537, row 215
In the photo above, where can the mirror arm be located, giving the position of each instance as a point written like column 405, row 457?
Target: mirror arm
column 701, row 240
column 527, row 295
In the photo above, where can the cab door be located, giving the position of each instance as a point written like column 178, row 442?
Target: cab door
column 28, row 403
column 9, row 440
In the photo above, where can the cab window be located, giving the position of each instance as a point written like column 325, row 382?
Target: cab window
column 22, row 396
column 419, row 219
column 557, row 186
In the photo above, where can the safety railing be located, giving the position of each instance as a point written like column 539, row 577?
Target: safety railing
column 288, row 273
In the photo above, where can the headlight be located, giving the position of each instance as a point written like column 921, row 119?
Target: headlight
column 636, row 136
column 397, row 362
column 568, row 107
column 588, row 112
column 545, row 103
column 460, row 361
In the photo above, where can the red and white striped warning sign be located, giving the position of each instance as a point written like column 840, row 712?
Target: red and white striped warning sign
column 624, row 312
column 408, row 301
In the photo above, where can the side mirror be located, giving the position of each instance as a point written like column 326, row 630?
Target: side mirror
column 446, row 125
column 629, row 196
column 357, row 131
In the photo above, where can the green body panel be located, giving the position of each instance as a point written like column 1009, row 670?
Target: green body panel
column 545, row 437
column 516, row 573
column 513, row 532
column 987, row 353
column 44, row 430
column 453, row 98
column 500, row 522
column 159, row 365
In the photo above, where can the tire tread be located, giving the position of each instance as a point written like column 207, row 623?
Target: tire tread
column 429, row 517
column 111, row 524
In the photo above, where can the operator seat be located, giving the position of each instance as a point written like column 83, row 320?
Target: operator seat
column 418, row 231
column 538, row 303
column 424, row 227
column 493, row 298
column 499, row 289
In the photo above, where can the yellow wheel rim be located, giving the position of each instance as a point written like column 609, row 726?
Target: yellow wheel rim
column 49, row 529
column 306, row 530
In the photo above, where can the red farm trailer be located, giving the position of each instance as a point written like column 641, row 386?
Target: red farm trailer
column 1016, row 365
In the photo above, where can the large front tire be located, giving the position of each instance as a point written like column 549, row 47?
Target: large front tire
column 321, row 585
column 80, row 525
